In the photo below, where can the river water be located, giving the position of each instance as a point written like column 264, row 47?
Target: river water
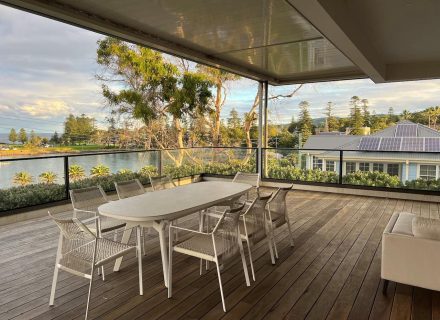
column 133, row 161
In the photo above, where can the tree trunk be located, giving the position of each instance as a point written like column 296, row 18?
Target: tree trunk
column 179, row 137
column 218, row 109
column 249, row 120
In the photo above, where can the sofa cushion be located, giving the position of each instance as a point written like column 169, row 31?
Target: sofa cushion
column 404, row 224
column 426, row 228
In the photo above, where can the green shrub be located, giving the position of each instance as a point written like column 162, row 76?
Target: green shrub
column 373, row 179
column 148, row 171
column 29, row 195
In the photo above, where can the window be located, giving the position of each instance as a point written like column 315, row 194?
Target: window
column 378, row 167
column 350, row 167
column 428, row 172
column 364, row 166
column 330, row 166
column 393, row 169
column 317, row 163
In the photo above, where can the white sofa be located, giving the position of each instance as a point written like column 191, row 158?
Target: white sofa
column 409, row 259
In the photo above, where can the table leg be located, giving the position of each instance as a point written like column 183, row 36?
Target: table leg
column 161, row 228
column 139, row 254
column 125, row 238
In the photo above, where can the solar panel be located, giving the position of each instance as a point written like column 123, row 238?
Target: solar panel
column 406, row 130
column 390, row 144
column 432, row 144
column 412, row 144
column 369, row 143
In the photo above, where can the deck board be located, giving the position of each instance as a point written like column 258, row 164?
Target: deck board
column 332, row 272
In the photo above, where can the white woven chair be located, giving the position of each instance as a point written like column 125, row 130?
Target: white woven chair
column 278, row 215
column 161, row 183
column 131, row 188
column 254, row 227
column 85, row 204
column 219, row 246
column 249, row 178
column 81, row 252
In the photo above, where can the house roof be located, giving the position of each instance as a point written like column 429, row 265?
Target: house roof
column 279, row 41
column 411, row 140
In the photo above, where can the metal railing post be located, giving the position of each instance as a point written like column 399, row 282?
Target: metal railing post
column 160, row 163
column 66, row 176
column 341, row 158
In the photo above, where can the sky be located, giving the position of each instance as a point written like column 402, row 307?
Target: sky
column 47, row 71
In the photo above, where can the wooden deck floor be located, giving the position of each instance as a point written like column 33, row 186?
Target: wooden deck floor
column 333, row 272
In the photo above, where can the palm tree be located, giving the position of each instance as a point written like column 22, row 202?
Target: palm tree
column 100, row 171
column 22, row 178
column 76, row 172
column 405, row 115
column 48, row 177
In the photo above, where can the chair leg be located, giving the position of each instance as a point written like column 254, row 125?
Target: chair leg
column 385, row 286
column 269, row 242
column 274, row 244
column 243, row 260
column 292, row 244
column 103, row 273
column 139, row 256
column 54, row 285
column 220, row 284
column 90, row 292
column 250, row 259
column 200, row 229
column 170, row 267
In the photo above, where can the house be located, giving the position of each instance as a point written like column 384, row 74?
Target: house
column 408, row 150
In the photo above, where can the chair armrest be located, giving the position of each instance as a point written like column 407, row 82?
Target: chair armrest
column 85, row 211
column 189, row 230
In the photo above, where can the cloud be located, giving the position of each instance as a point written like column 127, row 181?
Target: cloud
column 44, row 109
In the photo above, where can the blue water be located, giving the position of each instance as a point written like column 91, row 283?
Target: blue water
column 133, row 161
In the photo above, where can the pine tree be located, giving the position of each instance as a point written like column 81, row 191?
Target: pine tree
column 356, row 118
column 305, row 121
column 366, row 113
column 13, row 136
column 22, row 136
column 332, row 121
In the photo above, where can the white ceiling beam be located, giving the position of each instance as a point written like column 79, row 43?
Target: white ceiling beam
column 334, row 21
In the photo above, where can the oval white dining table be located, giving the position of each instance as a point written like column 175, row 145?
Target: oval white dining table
column 156, row 209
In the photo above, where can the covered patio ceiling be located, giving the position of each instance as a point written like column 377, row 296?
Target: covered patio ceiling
column 279, row 41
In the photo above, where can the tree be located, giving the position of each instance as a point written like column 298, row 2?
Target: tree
column 356, row 118
column 218, row 78
column 234, row 128
column 332, row 121
column 22, row 136
column 78, row 129
column 151, row 89
column 55, row 139
column 13, row 136
column 305, row 122
column 405, row 115
column 366, row 113
column 34, row 139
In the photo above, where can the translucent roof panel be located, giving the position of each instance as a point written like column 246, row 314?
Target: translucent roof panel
column 265, row 40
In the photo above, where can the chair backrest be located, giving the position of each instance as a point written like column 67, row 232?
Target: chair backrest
column 161, row 183
column 227, row 229
column 277, row 204
column 87, row 199
column 75, row 240
column 73, row 229
column 249, row 178
column 129, row 188
column 255, row 218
